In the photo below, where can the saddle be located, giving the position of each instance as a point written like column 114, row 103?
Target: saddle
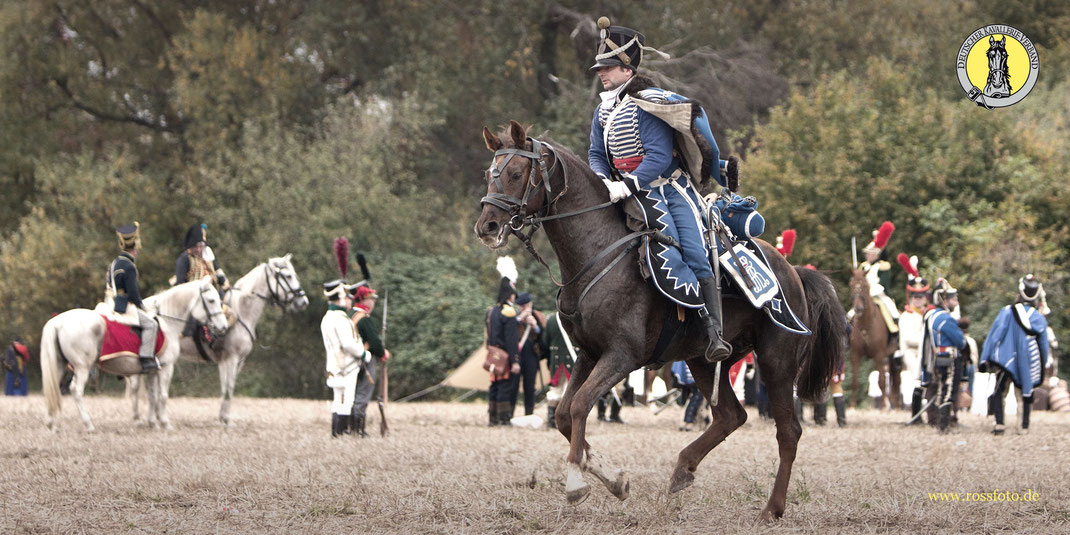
column 745, row 271
column 121, row 340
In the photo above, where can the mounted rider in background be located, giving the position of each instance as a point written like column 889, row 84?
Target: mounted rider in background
column 122, row 289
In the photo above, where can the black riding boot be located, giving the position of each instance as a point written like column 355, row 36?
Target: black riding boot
column 718, row 349
column 820, row 412
column 1027, row 407
column 148, row 364
column 551, row 412
column 614, row 412
column 915, row 406
column 336, row 423
column 841, row 410
column 601, row 409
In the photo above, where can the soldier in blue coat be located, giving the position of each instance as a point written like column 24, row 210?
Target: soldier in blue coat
column 942, row 357
column 633, row 149
column 1017, row 349
column 122, row 281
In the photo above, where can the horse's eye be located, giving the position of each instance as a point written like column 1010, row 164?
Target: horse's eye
column 515, row 175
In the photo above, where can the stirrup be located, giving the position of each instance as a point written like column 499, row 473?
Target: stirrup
column 148, row 364
column 716, row 352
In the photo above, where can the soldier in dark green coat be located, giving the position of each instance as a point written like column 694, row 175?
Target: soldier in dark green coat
column 559, row 360
column 363, row 303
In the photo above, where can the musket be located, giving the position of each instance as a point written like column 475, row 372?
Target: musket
column 383, row 392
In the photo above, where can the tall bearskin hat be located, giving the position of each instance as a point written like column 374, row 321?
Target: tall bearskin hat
column 620, row 46
column 196, row 234
column 507, row 284
column 129, row 236
column 785, row 243
column 915, row 283
column 943, row 291
column 880, row 238
column 1030, row 290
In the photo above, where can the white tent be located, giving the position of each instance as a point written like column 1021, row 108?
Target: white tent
column 470, row 374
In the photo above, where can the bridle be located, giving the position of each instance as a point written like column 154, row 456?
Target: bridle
column 280, row 282
column 204, row 303
column 538, row 178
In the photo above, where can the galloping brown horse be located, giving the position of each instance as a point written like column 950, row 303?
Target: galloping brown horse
column 616, row 321
column 870, row 338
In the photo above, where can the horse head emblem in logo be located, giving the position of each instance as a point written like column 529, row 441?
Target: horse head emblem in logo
column 999, row 80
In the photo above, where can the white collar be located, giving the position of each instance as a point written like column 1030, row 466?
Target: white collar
column 613, row 94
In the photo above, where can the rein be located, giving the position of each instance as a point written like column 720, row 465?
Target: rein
column 516, row 207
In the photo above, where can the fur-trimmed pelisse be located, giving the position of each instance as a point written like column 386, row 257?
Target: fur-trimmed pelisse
column 640, row 83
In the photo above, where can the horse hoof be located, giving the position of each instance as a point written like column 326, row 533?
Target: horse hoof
column 681, row 479
column 769, row 516
column 621, row 487
column 578, row 495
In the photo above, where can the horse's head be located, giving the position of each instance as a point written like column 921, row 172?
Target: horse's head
column 997, row 53
column 859, row 291
column 516, row 183
column 284, row 285
column 210, row 309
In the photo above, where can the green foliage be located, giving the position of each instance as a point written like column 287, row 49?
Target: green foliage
column 283, row 125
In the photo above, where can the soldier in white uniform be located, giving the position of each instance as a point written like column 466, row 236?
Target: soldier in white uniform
column 912, row 332
column 345, row 353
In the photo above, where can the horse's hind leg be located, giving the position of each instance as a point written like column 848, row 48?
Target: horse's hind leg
column 81, row 375
column 728, row 415
column 788, row 432
column 163, row 378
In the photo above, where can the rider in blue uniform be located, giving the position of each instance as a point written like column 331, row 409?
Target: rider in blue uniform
column 633, row 150
column 122, row 279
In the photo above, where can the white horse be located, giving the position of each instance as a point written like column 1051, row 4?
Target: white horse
column 275, row 282
column 77, row 335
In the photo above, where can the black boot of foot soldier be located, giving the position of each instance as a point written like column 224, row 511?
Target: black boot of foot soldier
column 551, row 412
column 820, row 412
column 915, row 406
column 841, row 410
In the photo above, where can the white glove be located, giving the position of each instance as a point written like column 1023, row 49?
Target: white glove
column 617, row 190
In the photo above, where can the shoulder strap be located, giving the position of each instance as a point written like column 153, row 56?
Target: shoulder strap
column 1021, row 317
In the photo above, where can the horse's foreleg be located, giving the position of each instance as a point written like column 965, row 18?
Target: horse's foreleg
column 228, row 369
column 151, row 385
column 81, row 375
column 607, row 372
column 788, row 432
column 163, row 379
column 563, row 416
column 728, row 415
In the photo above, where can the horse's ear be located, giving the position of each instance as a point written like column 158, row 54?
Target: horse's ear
column 516, row 131
column 492, row 141
column 991, row 39
column 287, row 257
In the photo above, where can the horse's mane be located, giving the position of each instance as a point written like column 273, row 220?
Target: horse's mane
column 165, row 300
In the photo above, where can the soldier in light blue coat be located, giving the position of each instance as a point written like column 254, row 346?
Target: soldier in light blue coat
column 1017, row 349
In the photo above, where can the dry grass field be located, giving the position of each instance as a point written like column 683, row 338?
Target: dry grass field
column 441, row 470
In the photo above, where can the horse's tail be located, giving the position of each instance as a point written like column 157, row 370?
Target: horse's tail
column 51, row 357
column 829, row 339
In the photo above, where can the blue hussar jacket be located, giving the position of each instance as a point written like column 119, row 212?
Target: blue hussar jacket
column 1018, row 343
column 942, row 329
column 622, row 130
column 123, row 272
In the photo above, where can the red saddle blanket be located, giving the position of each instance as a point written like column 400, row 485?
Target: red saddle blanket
column 123, row 340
